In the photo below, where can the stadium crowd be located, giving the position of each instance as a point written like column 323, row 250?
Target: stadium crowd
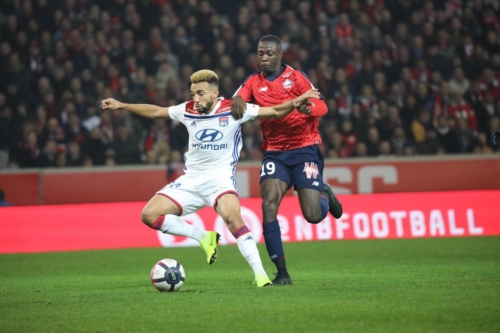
column 400, row 77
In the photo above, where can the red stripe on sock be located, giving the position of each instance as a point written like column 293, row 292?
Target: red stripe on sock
column 237, row 233
column 158, row 223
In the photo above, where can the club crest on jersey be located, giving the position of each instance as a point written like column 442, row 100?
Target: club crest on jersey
column 311, row 170
column 223, row 121
column 287, row 84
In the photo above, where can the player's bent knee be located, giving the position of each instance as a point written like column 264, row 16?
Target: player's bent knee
column 270, row 206
column 148, row 217
column 312, row 217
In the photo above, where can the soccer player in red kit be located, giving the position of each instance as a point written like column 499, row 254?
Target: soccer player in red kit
column 292, row 154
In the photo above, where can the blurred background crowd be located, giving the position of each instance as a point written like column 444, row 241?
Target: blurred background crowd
column 400, row 77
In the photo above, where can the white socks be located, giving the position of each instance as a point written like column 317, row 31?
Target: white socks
column 174, row 225
column 248, row 248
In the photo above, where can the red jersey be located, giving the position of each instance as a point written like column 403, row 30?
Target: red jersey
column 294, row 131
column 463, row 111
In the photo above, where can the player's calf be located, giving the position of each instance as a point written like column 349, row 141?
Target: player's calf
column 334, row 205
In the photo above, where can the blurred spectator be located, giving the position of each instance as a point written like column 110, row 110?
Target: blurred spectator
column 462, row 110
column 126, row 147
column 377, row 64
column 74, row 156
column 447, row 135
column 421, row 124
column 49, row 153
column 459, row 83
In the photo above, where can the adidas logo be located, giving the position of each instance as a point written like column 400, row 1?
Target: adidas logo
column 193, row 123
column 248, row 238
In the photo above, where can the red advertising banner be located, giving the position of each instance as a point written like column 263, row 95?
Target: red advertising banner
column 349, row 176
column 376, row 216
column 21, row 188
column 401, row 175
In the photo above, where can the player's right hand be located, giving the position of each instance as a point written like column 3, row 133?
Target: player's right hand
column 110, row 104
column 238, row 107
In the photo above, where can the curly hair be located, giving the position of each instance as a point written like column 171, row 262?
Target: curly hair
column 205, row 75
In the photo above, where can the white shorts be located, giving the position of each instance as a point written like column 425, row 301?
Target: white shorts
column 193, row 192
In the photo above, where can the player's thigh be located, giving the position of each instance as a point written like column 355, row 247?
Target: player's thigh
column 307, row 171
column 157, row 206
column 272, row 191
column 310, row 204
column 275, row 180
column 274, row 169
column 184, row 193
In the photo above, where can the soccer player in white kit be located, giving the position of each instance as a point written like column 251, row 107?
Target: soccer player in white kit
column 209, row 179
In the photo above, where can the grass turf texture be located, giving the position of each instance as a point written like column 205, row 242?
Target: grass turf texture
column 424, row 285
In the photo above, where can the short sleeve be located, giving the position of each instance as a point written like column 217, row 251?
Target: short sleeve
column 176, row 112
column 250, row 113
column 245, row 90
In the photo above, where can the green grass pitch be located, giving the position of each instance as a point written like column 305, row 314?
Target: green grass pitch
column 424, row 285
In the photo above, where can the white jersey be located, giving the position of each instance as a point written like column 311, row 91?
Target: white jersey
column 215, row 138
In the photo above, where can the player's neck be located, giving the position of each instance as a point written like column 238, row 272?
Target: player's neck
column 275, row 73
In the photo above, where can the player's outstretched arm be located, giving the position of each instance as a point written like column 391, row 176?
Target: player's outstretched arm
column 282, row 110
column 238, row 107
column 144, row 110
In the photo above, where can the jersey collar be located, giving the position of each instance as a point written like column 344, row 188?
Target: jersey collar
column 217, row 106
column 274, row 77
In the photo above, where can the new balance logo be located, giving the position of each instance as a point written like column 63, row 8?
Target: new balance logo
column 193, row 123
column 263, row 89
column 311, row 170
column 315, row 184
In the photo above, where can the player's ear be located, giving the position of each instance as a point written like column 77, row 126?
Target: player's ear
column 216, row 93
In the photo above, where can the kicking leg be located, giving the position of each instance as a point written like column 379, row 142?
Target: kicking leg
column 162, row 213
column 228, row 207
column 314, row 206
column 272, row 191
column 334, row 205
column 316, row 198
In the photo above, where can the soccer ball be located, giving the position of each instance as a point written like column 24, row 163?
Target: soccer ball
column 168, row 275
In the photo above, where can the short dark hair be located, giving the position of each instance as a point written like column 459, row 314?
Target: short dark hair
column 271, row 39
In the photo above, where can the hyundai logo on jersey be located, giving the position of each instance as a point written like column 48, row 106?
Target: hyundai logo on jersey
column 223, row 121
column 209, row 135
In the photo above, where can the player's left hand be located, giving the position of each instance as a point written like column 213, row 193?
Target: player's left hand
column 495, row 137
column 302, row 107
column 238, row 107
column 301, row 103
column 110, row 104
